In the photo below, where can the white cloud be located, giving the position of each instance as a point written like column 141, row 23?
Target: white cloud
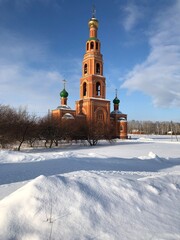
column 159, row 75
column 23, row 79
column 20, row 85
column 26, row 78
column 17, row 48
column 133, row 15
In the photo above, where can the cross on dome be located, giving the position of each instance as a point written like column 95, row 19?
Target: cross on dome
column 116, row 99
column 93, row 11
column 64, row 82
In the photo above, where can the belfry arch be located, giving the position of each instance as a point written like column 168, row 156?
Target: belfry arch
column 92, row 45
column 84, row 89
column 98, row 68
column 98, row 89
column 85, row 68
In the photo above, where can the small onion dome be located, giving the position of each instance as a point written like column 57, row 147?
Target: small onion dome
column 93, row 22
column 64, row 93
column 116, row 101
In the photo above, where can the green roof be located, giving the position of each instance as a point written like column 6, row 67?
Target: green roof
column 64, row 93
column 93, row 38
column 116, row 101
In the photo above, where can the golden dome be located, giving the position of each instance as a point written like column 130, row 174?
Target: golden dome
column 93, row 22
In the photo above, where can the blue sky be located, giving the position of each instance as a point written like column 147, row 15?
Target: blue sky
column 42, row 42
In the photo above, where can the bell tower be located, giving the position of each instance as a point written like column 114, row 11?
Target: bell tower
column 93, row 107
column 92, row 101
column 92, row 83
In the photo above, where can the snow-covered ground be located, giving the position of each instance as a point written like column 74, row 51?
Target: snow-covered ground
column 125, row 190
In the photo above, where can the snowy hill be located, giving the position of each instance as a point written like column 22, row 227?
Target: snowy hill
column 127, row 190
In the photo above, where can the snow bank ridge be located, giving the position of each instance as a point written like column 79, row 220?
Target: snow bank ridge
column 86, row 205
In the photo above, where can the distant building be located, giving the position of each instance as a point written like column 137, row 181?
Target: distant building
column 93, row 105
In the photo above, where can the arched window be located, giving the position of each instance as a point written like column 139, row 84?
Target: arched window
column 68, row 116
column 85, row 68
column 97, row 45
column 92, row 45
column 98, row 89
column 97, row 68
column 87, row 46
column 84, row 89
column 100, row 120
column 121, row 128
column 100, row 115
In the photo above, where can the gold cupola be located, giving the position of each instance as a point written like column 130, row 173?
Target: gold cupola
column 93, row 25
column 93, row 22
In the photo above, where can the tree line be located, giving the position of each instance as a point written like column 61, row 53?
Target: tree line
column 157, row 127
column 18, row 127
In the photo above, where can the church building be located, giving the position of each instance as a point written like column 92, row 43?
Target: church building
column 93, row 105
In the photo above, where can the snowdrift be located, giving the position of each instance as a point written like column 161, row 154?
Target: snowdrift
column 93, row 205
column 126, row 190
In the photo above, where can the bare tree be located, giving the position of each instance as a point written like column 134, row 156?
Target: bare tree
column 15, row 126
column 7, row 115
column 50, row 130
column 95, row 132
column 150, row 127
column 22, row 127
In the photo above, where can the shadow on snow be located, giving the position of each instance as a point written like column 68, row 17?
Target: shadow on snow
column 17, row 172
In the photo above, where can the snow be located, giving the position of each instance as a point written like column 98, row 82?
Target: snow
column 129, row 189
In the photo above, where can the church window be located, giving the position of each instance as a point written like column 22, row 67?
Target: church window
column 100, row 116
column 92, row 45
column 84, row 89
column 85, row 68
column 97, row 45
column 87, row 47
column 97, row 68
column 98, row 89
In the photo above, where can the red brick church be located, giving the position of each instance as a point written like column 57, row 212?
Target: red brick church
column 93, row 105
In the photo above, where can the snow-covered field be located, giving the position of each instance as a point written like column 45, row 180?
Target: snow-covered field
column 125, row 190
